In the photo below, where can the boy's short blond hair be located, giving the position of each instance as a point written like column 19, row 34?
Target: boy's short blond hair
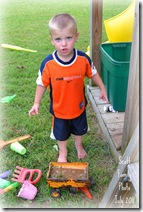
column 62, row 21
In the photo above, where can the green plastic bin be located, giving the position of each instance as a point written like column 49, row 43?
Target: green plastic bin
column 115, row 61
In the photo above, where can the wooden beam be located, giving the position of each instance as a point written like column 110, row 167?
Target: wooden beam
column 133, row 168
column 132, row 103
column 131, row 155
column 115, row 153
column 95, row 32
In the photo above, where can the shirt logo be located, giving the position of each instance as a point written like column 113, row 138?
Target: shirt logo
column 81, row 105
column 68, row 79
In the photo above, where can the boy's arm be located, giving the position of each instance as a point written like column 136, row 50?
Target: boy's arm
column 98, row 81
column 40, row 90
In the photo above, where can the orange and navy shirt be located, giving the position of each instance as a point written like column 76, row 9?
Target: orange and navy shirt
column 66, row 82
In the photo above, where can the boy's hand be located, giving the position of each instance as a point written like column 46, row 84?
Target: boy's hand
column 103, row 95
column 34, row 110
column 97, row 80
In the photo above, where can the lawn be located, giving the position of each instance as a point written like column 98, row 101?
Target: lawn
column 24, row 23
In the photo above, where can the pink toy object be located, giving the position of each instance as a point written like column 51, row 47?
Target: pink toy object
column 20, row 175
column 27, row 191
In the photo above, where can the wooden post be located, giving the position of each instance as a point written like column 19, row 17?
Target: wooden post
column 95, row 33
column 132, row 103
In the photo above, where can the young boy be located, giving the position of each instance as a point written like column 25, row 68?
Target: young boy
column 64, row 71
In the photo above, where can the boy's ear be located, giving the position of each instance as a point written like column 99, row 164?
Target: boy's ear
column 77, row 35
column 51, row 40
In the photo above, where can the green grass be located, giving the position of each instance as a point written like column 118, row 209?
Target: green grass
column 24, row 23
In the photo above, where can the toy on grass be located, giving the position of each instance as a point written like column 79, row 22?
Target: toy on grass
column 4, row 183
column 5, row 174
column 21, row 174
column 8, row 46
column 73, row 175
column 7, row 99
column 10, row 187
column 86, row 191
column 4, row 143
column 56, row 147
column 27, row 191
column 17, row 147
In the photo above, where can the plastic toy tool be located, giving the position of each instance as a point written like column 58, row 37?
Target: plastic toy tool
column 86, row 191
column 21, row 174
column 5, row 174
column 9, row 46
column 10, row 187
column 7, row 99
column 4, row 143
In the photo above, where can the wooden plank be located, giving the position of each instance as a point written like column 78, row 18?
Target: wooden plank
column 99, row 101
column 133, row 172
column 132, row 104
column 116, row 154
column 115, row 129
column 112, row 121
column 117, row 139
column 116, row 132
column 95, row 91
column 113, row 117
column 94, row 88
column 131, row 155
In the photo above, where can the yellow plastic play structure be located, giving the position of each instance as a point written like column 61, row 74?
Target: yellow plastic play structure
column 120, row 28
column 88, row 51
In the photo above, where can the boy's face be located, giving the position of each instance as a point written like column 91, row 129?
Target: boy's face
column 64, row 41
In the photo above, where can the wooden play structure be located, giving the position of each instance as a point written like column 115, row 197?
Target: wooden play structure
column 120, row 129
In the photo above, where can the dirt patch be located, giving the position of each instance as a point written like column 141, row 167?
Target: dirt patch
column 68, row 173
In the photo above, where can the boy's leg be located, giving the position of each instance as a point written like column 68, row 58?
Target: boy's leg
column 62, row 151
column 61, row 131
column 81, row 153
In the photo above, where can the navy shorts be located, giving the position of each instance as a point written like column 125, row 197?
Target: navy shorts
column 63, row 128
